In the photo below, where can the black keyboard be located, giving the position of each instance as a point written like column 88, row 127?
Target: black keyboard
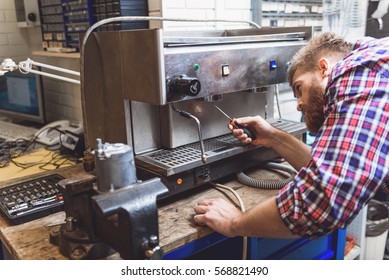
column 32, row 199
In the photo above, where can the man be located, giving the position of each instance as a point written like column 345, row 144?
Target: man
column 343, row 91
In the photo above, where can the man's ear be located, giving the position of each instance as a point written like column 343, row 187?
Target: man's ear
column 324, row 67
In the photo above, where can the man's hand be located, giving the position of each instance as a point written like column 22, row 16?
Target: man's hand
column 219, row 215
column 261, row 128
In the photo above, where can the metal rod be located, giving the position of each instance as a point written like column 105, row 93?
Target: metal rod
column 221, row 111
column 276, row 89
column 189, row 115
column 147, row 18
column 74, row 81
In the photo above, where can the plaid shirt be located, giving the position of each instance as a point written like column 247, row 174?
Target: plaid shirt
column 350, row 155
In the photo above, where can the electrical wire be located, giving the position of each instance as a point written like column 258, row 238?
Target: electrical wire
column 12, row 150
column 243, row 178
column 221, row 187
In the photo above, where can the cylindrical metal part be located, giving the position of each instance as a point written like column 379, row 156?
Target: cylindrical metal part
column 69, row 224
column 115, row 166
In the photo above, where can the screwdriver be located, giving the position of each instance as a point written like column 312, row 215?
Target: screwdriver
column 235, row 124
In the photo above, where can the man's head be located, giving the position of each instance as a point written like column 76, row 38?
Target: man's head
column 309, row 71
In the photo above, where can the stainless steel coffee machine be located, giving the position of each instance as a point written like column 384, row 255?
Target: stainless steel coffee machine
column 156, row 91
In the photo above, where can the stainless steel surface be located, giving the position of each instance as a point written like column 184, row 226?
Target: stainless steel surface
column 168, row 162
column 150, row 63
column 221, row 111
column 177, row 131
column 145, row 127
column 199, row 131
column 283, row 33
column 225, row 39
column 115, row 166
column 128, row 98
column 248, row 66
column 187, row 157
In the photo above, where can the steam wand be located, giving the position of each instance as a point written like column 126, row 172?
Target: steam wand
column 190, row 116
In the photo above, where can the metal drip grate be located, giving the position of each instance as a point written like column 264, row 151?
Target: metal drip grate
column 216, row 143
column 191, row 152
column 188, row 156
column 176, row 157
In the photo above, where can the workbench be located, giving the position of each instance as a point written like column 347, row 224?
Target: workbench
column 180, row 237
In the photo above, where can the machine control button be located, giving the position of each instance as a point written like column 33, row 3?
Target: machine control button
column 225, row 70
column 184, row 85
column 272, row 65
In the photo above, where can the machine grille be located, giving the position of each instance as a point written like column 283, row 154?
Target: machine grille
column 191, row 152
column 216, row 143
column 218, row 147
column 176, row 157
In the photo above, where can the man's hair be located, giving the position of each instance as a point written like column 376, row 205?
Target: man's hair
column 307, row 57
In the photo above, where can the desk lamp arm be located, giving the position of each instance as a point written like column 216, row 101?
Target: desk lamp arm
column 25, row 67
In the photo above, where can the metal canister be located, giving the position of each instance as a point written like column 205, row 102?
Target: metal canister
column 115, row 166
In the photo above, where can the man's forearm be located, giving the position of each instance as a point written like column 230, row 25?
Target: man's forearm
column 263, row 220
column 294, row 151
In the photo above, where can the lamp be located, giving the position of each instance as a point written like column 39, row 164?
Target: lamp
column 25, row 67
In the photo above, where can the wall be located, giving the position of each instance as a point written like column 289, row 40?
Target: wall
column 15, row 42
column 200, row 9
column 345, row 17
column 62, row 100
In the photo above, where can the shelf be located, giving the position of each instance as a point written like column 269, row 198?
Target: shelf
column 55, row 54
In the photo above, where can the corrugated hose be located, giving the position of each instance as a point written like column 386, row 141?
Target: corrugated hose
column 268, row 185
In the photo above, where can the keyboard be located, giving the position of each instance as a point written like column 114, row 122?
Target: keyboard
column 11, row 131
column 33, row 199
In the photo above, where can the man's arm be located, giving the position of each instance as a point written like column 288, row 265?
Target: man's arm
column 294, row 151
column 287, row 146
column 263, row 220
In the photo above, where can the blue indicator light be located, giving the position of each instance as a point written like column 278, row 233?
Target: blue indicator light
column 272, row 65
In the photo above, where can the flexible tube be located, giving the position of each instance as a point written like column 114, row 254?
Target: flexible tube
column 268, row 185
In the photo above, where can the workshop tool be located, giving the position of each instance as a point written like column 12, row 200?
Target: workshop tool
column 235, row 124
column 114, row 212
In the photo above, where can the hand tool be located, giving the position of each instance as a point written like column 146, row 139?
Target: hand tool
column 235, row 124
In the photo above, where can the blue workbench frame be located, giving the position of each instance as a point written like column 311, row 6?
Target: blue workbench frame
column 212, row 247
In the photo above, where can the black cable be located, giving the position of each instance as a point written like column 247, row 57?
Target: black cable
column 12, row 152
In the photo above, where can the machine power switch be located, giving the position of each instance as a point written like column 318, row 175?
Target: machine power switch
column 184, row 85
column 225, row 70
column 272, row 65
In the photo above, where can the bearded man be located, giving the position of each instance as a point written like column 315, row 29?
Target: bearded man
column 343, row 92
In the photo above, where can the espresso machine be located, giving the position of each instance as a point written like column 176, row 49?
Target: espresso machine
column 156, row 91
column 154, row 112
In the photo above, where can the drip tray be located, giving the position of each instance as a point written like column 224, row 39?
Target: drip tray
column 172, row 161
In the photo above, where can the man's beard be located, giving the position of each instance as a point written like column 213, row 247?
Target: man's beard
column 313, row 111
